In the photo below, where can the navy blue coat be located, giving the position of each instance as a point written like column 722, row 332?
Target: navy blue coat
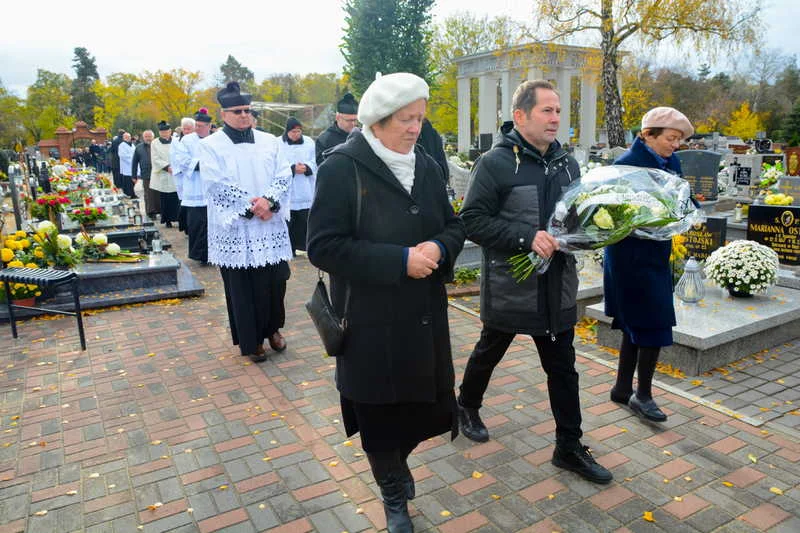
column 637, row 278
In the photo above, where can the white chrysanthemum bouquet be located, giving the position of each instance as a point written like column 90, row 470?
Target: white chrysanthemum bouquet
column 608, row 204
column 743, row 266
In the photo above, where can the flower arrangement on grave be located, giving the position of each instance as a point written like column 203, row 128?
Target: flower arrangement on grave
column 770, row 174
column 610, row 203
column 87, row 215
column 96, row 248
column 102, row 181
column 56, row 249
column 20, row 291
column 743, row 267
column 778, row 199
column 47, row 206
column 677, row 257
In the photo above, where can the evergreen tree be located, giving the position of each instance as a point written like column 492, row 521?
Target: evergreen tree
column 791, row 127
column 386, row 36
column 83, row 99
column 232, row 70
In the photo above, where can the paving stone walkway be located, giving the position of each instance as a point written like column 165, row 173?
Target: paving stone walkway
column 162, row 426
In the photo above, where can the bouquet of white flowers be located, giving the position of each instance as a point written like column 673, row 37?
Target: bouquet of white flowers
column 608, row 204
column 743, row 267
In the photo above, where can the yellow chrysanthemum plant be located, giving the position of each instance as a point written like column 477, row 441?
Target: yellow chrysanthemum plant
column 20, row 291
column 677, row 257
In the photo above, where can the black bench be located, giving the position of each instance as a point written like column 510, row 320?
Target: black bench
column 43, row 277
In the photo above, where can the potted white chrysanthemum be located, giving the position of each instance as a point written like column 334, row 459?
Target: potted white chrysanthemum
column 743, row 267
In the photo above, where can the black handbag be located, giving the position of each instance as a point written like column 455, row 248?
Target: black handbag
column 332, row 329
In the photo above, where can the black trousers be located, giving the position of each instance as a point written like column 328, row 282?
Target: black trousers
column 298, row 228
column 197, row 225
column 254, row 297
column 558, row 362
column 127, row 185
column 169, row 207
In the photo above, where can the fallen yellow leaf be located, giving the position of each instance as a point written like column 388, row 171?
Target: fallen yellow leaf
column 476, row 475
column 347, row 443
column 727, row 483
column 752, row 457
column 71, row 492
column 154, row 506
column 776, row 490
column 333, row 463
column 678, row 499
column 648, row 516
column 445, row 513
column 223, row 487
column 41, row 513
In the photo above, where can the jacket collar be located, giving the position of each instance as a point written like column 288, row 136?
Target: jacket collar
column 510, row 137
column 357, row 148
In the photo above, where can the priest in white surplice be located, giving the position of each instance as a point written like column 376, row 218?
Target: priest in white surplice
column 185, row 156
column 246, row 181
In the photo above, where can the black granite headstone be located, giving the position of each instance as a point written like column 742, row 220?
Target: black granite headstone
column 702, row 239
column 700, row 168
column 743, row 175
column 776, row 226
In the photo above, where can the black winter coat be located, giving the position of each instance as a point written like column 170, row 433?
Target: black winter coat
column 142, row 165
column 397, row 347
column 511, row 196
column 330, row 138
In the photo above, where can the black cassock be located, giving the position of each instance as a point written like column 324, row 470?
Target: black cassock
column 254, row 297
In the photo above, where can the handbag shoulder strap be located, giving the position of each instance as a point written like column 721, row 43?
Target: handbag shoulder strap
column 357, row 227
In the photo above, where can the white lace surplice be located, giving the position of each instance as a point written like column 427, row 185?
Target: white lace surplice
column 232, row 175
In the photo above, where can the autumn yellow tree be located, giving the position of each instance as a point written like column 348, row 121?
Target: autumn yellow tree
column 118, row 97
column 745, row 123
column 173, row 94
column 709, row 24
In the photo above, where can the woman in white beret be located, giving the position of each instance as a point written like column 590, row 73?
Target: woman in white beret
column 637, row 277
column 395, row 373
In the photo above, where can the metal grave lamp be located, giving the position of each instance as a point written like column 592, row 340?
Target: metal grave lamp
column 690, row 287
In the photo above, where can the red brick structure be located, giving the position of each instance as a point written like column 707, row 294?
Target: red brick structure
column 65, row 138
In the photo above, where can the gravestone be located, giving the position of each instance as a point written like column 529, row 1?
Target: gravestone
column 790, row 185
column 776, row 226
column 617, row 152
column 749, row 170
column 700, row 169
column 704, row 238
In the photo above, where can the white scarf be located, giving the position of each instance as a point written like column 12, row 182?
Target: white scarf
column 401, row 165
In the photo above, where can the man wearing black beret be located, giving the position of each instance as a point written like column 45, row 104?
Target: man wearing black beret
column 336, row 134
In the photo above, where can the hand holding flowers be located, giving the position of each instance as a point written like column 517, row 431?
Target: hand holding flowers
column 610, row 203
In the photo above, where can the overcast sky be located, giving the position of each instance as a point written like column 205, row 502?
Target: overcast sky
column 267, row 36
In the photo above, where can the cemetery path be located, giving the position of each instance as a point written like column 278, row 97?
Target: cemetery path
column 161, row 426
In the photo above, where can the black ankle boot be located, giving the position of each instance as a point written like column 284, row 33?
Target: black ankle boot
column 391, row 478
column 471, row 425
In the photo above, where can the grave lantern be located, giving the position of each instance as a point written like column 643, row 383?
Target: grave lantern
column 690, row 287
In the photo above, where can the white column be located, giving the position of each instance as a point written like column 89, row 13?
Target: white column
column 506, row 91
column 588, row 109
column 487, row 104
column 464, row 132
column 563, row 77
column 535, row 74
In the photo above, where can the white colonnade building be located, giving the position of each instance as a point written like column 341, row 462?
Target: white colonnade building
column 499, row 72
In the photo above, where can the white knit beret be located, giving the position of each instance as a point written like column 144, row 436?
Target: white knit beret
column 389, row 93
column 667, row 117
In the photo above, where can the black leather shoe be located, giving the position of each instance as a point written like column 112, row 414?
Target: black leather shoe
column 277, row 342
column 620, row 398
column 471, row 425
column 646, row 409
column 579, row 459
